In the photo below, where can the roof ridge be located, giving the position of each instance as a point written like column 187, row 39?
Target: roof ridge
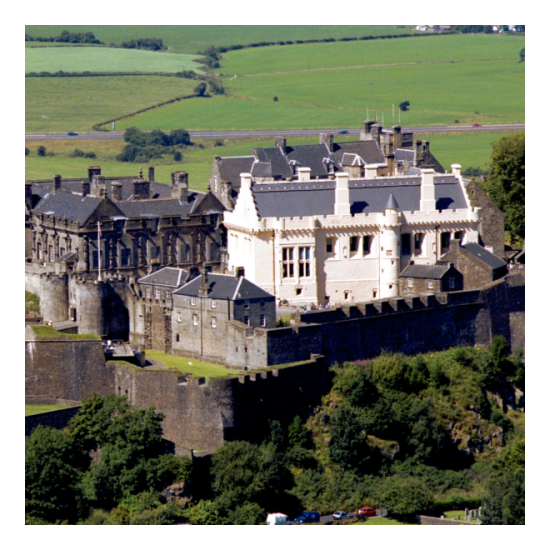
column 238, row 287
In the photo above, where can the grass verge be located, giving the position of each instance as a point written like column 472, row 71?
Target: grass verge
column 47, row 331
column 191, row 366
column 37, row 409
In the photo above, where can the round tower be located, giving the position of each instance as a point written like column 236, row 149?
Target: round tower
column 90, row 314
column 389, row 250
column 54, row 298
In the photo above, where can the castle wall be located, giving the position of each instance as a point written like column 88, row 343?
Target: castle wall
column 54, row 298
column 67, row 369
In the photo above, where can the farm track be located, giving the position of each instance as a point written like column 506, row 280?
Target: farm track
column 343, row 68
column 304, row 132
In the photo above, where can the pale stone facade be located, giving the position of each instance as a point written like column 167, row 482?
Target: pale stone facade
column 313, row 243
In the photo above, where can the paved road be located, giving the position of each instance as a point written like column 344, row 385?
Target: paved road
column 286, row 133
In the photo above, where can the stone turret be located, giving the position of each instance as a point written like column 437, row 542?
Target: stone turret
column 389, row 250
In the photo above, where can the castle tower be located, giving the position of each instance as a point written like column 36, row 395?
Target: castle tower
column 54, row 298
column 389, row 250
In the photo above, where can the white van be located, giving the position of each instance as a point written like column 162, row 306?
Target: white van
column 277, row 519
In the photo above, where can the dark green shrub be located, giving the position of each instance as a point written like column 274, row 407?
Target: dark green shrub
column 178, row 157
column 41, row 151
column 27, row 151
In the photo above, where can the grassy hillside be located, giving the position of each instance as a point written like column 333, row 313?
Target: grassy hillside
column 465, row 149
column 76, row 104
column 96, row 59
column 194, row 38
column 433, row 49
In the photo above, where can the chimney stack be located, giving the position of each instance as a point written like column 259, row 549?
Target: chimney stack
column 85, row 187
column 304, row 174
column 56, row 182
column 427, row 190
column 281, row 143
column 204, row 288
column 116, row 191
column 28, row 194
column 342, row 205
column 180, row 186
column 93, row 171
column 376, row 130
column 328, row 140
column 141, row 190
column 151, row 174
column 456, row 170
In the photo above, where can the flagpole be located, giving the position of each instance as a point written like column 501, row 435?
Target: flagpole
column 98, row 253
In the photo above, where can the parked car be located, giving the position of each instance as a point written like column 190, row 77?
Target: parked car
column 308, row 517
column 343, row 132
column 72, row 134
column 277, row 519
column 342, row 515
column 476, row 125
column 366, row 511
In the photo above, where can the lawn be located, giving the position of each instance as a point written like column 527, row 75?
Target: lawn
column 47, row 331
column 434, row 49
column 76, row 104
column 37, row 409
column 192, row 366
column 466, row 149
column 96, row 59
column 193, row 38
column 470, row 92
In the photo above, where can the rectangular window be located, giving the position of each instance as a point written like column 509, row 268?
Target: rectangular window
column 262, row 320
column 430, row 285
column 94, row 259
column 246, row 320
column 125, row 257
column 262, row 303
column 304, row 253
column 155, row 252
column 410, row 283
column 418, row 243
column 406, row 244
column 148, row 293
column 157, row 294
column 179, row 317
column 353, row 245
column 61, row 252
column 213, row 252
column 288, row 263
column 214, row 322
column 444, row 242
column 195, row 319
column 167, row 295
column 329, row 246
column 451, row 282
column 51, row 254
column 193, row 301
column 459, row 235
column 389, row 252
column 367, row 245
column 119, row 226
column 39, row 250
column 184, row 252
column 246, row 304
column 347, row 294
column 213, row 304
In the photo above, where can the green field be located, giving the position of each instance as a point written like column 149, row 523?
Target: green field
column 470, row 79
column 192, row 366
column 76, row 104
column 434, row 49
column 466, row 149
column 95, row 59
column 194, row 38
column 37, row 409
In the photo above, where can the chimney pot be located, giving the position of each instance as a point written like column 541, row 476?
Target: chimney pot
column 57, row 182
column 85, row 187
column 151, row 174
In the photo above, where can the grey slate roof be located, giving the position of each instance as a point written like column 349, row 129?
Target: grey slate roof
column 225, row 287
column 417, row 271
column 231, row 169
column 279, row 164
column 310, row 156
column 65, row 205
column 316, row 198
column 158, row 190
column 262, row 169
column 369, row 151
column 161, row 207
column 484, row 255
column 167, row 276
column 405, row 155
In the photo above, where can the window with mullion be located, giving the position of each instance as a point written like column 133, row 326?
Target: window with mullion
column 288, row 263
column 304, row 255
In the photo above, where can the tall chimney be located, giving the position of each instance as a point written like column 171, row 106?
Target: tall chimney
column 427, row 190
column 116, row 191
column 141, row 190
column 93, row 171
column 204, row 288
column 281, row 143
column 151, row 174
column 57, row 182
column 418, row 151
column 328, row 140
column 85, row 187
column 375, row 131
column 397, row 137
column 341, row 204
column 180, row 186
